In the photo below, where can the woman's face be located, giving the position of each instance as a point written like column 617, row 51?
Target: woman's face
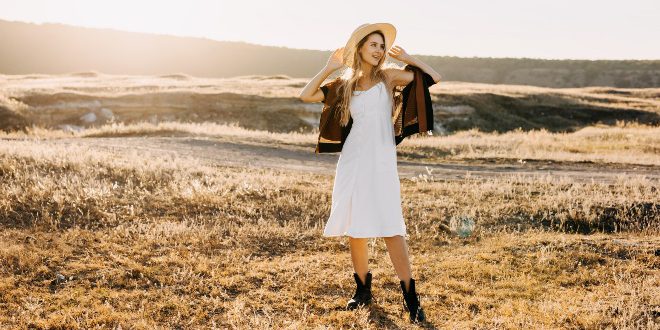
column 373, row 49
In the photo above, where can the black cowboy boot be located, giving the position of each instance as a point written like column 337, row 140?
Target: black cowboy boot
column 411, row 302
column 362, row 294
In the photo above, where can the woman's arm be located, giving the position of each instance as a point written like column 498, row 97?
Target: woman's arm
column 404, row 77
column 312, row 92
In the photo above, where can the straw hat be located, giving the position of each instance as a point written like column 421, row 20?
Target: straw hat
column 388, row 30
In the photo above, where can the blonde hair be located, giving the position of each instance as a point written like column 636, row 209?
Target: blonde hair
column 349, row 79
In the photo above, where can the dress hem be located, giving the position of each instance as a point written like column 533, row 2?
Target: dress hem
column 367, row 236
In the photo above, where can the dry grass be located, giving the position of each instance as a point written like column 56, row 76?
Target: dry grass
column 223, row 131
column 623, row 143
column 154, row 241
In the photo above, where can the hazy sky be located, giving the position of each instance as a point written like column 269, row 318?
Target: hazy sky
column 575, row 29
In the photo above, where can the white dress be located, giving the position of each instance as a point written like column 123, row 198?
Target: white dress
column 366, row 195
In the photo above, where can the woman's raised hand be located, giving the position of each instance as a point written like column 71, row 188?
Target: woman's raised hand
column 400, row 54
column 336, row 59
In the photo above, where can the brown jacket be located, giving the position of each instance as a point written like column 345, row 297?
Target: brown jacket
column 414, row 112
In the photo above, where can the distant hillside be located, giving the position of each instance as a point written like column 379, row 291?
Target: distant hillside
column 55, row 49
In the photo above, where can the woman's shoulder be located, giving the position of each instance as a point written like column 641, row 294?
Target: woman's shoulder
column 397, row 76
column 334, row 81
column 392, row 68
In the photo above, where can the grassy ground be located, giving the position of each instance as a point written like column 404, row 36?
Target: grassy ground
column 92, row 239
column 624, row 143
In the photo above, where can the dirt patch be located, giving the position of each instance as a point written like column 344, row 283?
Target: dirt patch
column 229, row 152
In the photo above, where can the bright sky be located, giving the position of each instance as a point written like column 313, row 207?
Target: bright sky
column 566, row 29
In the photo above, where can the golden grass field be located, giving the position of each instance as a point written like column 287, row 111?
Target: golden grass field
column 140, row 237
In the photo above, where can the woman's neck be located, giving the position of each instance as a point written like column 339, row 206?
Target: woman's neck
column 366, row 71
column 365, row 76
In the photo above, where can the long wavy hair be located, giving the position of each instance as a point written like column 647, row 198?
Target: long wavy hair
column 350, row 77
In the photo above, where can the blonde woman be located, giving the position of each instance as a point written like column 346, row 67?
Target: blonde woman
column 360, row 120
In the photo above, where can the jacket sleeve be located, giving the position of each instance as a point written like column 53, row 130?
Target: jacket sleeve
column 326, row 89
column 428, row 79
column 416, row 114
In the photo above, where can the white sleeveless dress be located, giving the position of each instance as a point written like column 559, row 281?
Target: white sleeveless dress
column 366, row 196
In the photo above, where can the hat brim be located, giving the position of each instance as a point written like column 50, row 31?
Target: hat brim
column 388, row 30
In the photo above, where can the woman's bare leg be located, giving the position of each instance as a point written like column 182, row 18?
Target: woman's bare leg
column 360, row 256
column 398, row 251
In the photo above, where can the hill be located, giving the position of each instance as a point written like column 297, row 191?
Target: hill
column 57, row 49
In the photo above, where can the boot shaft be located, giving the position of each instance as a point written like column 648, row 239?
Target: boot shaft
column 362, row 294
column 411, row 301
column 367, row 280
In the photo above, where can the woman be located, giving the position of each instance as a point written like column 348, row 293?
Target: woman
column 366, row 198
